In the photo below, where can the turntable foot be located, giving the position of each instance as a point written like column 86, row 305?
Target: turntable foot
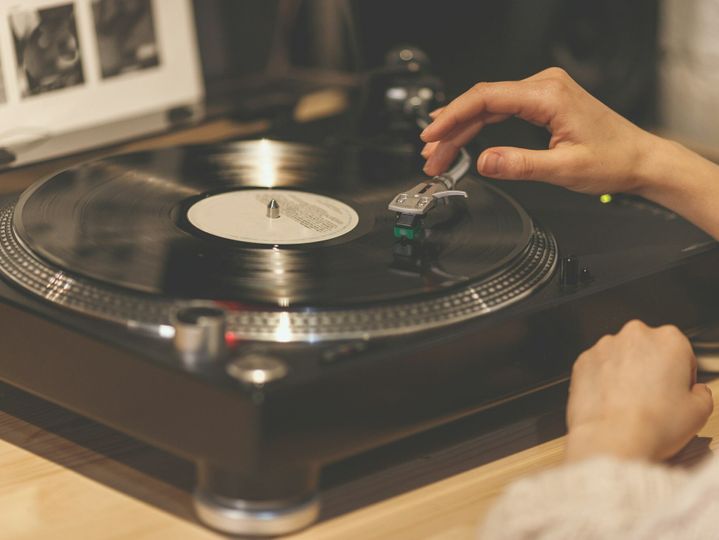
column 250, row 518
column 263, row 500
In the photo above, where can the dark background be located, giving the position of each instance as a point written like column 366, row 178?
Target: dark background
column 610, row 47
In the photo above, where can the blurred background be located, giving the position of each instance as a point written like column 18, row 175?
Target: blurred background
column 655, row 61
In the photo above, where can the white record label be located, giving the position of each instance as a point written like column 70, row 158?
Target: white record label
column 243, row 216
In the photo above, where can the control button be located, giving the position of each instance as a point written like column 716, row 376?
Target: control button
column 569, row 271
column 257, row 369
column 199, row 333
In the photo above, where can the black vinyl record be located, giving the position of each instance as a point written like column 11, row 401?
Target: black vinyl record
column 124, row 222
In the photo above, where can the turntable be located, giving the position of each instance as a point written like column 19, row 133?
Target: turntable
column 251, row 306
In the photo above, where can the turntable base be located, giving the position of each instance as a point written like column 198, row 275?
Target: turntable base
column 262, row 422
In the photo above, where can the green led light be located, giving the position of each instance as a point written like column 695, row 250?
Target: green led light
column 605, row 199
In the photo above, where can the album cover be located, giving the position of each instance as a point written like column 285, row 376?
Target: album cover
column 85, row 73
column 126, row 37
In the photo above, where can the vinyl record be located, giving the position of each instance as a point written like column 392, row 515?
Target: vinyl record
column 192, row 222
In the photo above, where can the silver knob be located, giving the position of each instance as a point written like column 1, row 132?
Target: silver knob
column 199, row 333
column 257, row 369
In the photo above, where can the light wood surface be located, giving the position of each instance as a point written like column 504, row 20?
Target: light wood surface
column 53, row 487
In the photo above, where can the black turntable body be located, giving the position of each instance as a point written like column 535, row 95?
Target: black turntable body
column 330, row 347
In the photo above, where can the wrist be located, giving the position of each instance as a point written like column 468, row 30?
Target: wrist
column 627, row 441
column 670, row 174
column 655, row 164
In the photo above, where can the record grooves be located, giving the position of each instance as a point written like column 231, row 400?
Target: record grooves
column 124, row 255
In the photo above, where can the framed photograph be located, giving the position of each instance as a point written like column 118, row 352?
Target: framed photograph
column 76, row 74
column 47, row 49
column 126, row 38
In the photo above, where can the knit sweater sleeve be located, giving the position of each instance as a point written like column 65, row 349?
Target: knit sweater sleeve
column 600, row 498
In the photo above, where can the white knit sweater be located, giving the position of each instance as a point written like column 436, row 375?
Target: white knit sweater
column 605, row 498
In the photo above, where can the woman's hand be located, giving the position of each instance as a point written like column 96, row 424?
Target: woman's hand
column 592, row 149
column 634, row 395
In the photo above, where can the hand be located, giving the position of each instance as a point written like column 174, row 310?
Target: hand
column 592, row 148
column 634, row 395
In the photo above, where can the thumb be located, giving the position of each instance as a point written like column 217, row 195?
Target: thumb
column 522, row 164
column 702, row 395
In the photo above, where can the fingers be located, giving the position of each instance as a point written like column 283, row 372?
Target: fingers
column 439, row 161
column 489, row 118
column 532, row 100
column 703, row 402
column 428, row 149
column 704, row 397
column 641, row 373
column 441, row 154
column 521, row 164
column 536, row 99
column 675, row 340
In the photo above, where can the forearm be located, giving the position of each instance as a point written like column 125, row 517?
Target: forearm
column 681, row 180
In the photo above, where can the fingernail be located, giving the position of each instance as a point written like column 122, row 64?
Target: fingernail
column 427, row 169
column 425, row 131
column 491, row 163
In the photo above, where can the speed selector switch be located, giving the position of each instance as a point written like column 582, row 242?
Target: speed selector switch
column 569, row 271
column 572, row 273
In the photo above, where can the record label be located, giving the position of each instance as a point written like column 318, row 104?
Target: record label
column 299, row 217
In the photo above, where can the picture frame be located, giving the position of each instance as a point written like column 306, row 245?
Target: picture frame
column 77, row 74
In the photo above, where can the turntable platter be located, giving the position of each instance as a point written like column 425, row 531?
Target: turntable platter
column 192, row 223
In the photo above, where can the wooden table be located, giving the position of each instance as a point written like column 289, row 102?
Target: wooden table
column 65, row 477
